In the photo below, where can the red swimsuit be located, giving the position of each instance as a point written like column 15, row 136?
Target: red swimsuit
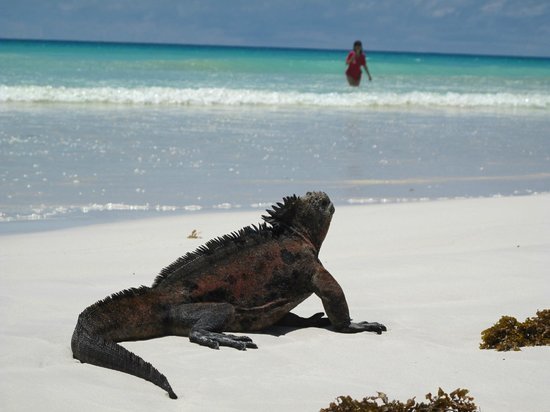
column 354, row 68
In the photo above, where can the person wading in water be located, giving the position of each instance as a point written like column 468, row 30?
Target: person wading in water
column 355, row 60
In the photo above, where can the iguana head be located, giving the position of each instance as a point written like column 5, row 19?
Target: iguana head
column 309, row 215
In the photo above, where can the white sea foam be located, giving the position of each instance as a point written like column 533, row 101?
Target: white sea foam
column 251, row 97
column 55, row 212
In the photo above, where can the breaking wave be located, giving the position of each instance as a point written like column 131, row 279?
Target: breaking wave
column 252, row 97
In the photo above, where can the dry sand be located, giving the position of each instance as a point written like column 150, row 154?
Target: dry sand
column 435, row 273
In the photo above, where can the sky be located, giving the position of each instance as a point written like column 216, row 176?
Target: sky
column 497, row 27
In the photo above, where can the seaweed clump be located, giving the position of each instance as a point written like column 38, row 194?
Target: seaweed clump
column 510, row 334
column 456, row 401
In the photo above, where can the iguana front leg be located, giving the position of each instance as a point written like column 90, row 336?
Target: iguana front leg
column 294, row 321
column 204, row 323
column 336, row 307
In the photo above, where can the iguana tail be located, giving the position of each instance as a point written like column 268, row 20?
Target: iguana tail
column 92, row 347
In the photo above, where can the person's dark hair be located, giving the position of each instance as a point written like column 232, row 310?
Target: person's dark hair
column 357, row 43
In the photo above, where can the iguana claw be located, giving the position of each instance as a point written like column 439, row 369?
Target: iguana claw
column 214, row 340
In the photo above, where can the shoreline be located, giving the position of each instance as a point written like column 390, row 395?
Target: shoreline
column 436, row 273
column 123, row 213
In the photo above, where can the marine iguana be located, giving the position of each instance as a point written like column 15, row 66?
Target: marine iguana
column 242, row 282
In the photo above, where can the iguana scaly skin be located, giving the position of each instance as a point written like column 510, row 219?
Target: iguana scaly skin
column 242, row 282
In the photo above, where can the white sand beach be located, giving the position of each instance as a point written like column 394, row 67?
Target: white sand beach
column 435, row 273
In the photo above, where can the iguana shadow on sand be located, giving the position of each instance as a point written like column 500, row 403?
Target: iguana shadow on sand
column 242, row 282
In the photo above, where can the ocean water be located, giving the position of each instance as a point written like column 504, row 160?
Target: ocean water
column 98, row 131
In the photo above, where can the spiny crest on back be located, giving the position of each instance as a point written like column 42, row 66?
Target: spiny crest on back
column 283, row 214
column 280, row 218
column 240, row 238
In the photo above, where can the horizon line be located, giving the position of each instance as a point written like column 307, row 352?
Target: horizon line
column 174, row 44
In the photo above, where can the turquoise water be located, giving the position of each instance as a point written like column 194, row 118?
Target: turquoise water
column 65, row 72
column 93, row 131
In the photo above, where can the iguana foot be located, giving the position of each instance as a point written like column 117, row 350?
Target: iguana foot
column 363, row 327
column 214, row 340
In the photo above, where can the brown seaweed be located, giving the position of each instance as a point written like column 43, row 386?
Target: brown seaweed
column 456, row 401
column 510, row 334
